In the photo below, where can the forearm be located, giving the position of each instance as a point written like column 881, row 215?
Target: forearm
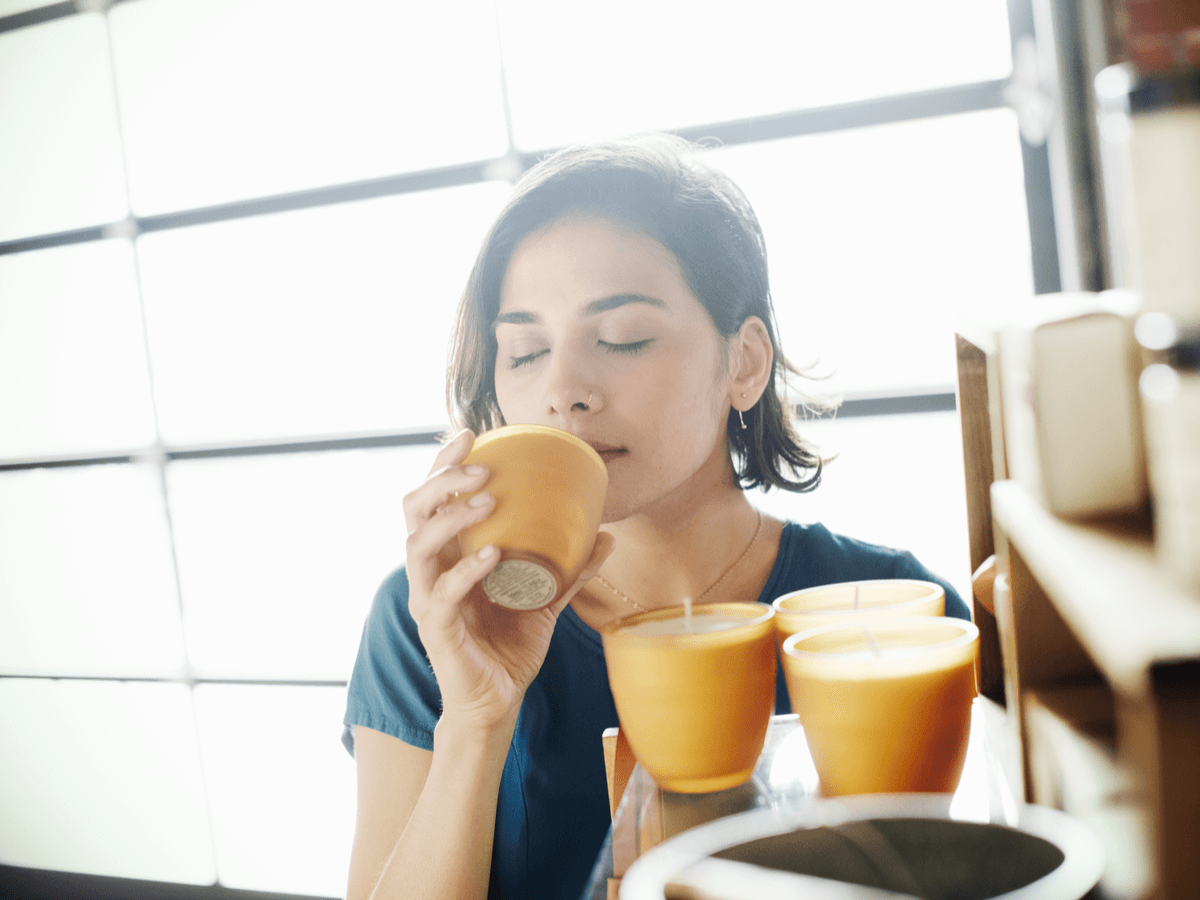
column 445, row 850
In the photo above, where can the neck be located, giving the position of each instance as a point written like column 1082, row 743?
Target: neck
column 660, row 558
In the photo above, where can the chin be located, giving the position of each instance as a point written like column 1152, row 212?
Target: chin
column 616, row 509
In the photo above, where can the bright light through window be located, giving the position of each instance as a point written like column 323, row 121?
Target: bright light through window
column 907, row 226
column 581, row 71
column 279, row 556
column 885, row 498
column 109, row 780
column 86, row 581
column 311, row 323
column 227, row 100
column 233, row 236
column 60, row 158
column 281, row 787
column 73, row 373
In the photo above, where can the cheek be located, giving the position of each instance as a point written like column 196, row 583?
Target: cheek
column 691, row 404
column 509, row 399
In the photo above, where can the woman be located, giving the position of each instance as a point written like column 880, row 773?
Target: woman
column 622, row 296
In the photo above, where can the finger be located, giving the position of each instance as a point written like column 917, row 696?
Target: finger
column 452, row 587
column 454, row 451
column 601, row 550
column 447, row 478
column 425, row 542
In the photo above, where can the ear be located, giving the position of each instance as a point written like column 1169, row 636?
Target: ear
column 752, row 363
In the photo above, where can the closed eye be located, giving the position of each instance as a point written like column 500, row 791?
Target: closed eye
column 515, row 362
column 633, row 347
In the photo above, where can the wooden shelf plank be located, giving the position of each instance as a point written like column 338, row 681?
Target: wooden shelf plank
column 1108, row 587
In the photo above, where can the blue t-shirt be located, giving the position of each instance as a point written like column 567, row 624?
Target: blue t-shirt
column 553, row 813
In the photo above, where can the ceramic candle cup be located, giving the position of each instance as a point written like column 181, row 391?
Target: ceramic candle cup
column 832, row 604
column 549, row 488
column 694, row 697
column 886, row 703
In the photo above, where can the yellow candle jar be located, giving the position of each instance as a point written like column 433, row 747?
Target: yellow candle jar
column 886, row 703
column 694, row 696
column 549, row 488
column 851, row 601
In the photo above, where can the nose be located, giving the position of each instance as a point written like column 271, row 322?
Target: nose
column 570, row 389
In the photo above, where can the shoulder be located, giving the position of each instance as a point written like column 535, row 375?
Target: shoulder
column 811, row 555
column 392, row 688
column 816, row 547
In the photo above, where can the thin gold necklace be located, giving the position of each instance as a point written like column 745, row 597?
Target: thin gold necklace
column 698, row 600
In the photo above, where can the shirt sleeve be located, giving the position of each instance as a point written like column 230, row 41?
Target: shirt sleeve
column 392, row 688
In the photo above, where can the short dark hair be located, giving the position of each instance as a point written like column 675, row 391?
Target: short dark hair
column 657, row 185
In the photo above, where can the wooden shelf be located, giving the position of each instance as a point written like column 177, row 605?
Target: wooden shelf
column 1107, row 586
column 1097, row 648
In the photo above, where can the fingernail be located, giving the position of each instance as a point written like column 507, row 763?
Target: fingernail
column 480, row 500
column 487, row 552
column 475, row 470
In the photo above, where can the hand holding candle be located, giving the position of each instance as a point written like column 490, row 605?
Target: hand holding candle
column 550, row 488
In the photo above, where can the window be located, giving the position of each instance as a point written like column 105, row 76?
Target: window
column 232, row 236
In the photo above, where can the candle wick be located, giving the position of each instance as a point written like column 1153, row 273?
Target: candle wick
column 871, row 641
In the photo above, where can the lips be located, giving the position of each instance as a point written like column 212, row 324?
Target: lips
column 608, row 452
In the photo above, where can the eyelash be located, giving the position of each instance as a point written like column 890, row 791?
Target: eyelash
column 516, row 362
column 629, row 349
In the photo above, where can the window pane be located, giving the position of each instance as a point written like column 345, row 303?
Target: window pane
column 104, row 778
column 323, row 321
column 897, row 481
column 280, row 556
column 86, row 580
column 60, row 159
column 8, row 7
column 581, row 71
column 882, row 239
column 281, row 787
column 73, row 376
column 226, row 100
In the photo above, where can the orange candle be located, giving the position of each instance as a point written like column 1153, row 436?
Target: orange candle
column 694, row 698
column 885, row 704
column 550, row 488
column 852, row 601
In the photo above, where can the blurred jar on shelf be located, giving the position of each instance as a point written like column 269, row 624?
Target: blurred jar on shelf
column 1170, row 392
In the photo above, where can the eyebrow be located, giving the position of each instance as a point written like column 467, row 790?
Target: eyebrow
column 604, row 304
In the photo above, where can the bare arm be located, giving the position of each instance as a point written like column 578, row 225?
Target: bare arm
column 426, row 819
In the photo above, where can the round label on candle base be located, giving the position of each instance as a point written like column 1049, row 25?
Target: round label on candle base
column 520, row 584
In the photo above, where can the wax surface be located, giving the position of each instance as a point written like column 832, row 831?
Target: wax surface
column 684, row 625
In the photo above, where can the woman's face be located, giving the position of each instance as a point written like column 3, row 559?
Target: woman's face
column 599, row 334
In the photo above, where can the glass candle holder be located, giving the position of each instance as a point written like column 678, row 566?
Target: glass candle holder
column 851, row 601
column 885, row 703
column 694, row 694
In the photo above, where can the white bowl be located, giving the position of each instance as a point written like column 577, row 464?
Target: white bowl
column 688, row 858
